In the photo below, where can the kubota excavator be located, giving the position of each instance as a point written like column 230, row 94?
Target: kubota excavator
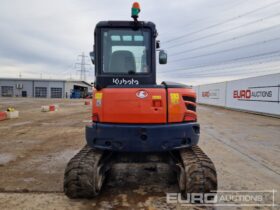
column 133, row 118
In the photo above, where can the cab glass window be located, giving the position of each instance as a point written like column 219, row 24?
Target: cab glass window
column 125, row 51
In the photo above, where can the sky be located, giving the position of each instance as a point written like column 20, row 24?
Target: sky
column 206, row 41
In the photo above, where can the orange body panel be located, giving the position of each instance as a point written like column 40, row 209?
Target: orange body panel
column 123, row 105
column 177, row 109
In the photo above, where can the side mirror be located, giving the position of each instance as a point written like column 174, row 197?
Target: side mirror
column 91, row 54
column 162, row 57
column 157, row 44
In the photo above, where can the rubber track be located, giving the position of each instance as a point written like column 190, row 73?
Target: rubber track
column 79, row 176
column 201, row 176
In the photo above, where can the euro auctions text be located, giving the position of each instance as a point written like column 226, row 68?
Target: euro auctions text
column 225, row 198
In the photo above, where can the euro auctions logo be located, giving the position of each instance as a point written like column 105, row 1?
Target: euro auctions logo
column 226, row 198
column 247, row 94
column 261, row 94
column 205, row 94
column 212, row 94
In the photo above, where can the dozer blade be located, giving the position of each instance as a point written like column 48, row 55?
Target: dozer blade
column 84, row 174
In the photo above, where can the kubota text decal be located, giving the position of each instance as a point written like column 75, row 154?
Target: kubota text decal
column 123, row 81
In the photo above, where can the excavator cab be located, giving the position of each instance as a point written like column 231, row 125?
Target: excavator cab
column 135, row 119
column 124, row 53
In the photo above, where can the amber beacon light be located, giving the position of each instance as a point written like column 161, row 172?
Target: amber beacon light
column 135, row 10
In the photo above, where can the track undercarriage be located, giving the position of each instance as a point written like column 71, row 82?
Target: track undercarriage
column 87, row 170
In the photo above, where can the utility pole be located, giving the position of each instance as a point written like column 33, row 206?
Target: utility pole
column 82, row 67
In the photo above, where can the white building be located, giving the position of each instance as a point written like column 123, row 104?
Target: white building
column 43, row 88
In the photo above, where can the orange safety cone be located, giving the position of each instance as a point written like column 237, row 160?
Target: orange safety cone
column 3, row 116
column 52, row 108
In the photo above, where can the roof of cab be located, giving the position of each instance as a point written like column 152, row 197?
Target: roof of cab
column 102, row 24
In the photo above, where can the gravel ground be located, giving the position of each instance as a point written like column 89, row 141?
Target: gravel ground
column 35, row 148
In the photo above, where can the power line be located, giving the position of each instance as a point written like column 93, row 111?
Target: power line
column 238, row 72
column 224, row 31
column 233, row 73
column 226, row 50
column 225, row 68
column 235, row 69
column 230, row 7
column 226, row 40
column 224, row 62
column 223, row 22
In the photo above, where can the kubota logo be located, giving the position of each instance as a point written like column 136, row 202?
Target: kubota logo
column 123, row 81
column 142, row 94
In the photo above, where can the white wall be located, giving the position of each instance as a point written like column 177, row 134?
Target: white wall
column 258, row 94
column 196, row 91
column 214, row 94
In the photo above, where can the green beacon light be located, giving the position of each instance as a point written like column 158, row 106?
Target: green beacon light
column 135, row 10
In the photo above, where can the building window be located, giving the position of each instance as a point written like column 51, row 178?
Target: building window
column 56, row 92
column 7, row 91
column 40, row 92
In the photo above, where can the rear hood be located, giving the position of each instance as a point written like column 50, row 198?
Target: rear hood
column 131, row 105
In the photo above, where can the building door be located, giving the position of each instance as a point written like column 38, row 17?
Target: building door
column 23, row 93
column 7, row 91
column 56, row 92
column 40, row 92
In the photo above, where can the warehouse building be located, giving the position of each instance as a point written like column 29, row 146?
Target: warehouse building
column 43, row 88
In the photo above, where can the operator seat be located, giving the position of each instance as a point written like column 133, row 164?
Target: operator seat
column 122, row 61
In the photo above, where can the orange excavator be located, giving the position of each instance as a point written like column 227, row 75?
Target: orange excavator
column 134, row 119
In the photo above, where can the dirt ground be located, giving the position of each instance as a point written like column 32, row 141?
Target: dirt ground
column 35, row 148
